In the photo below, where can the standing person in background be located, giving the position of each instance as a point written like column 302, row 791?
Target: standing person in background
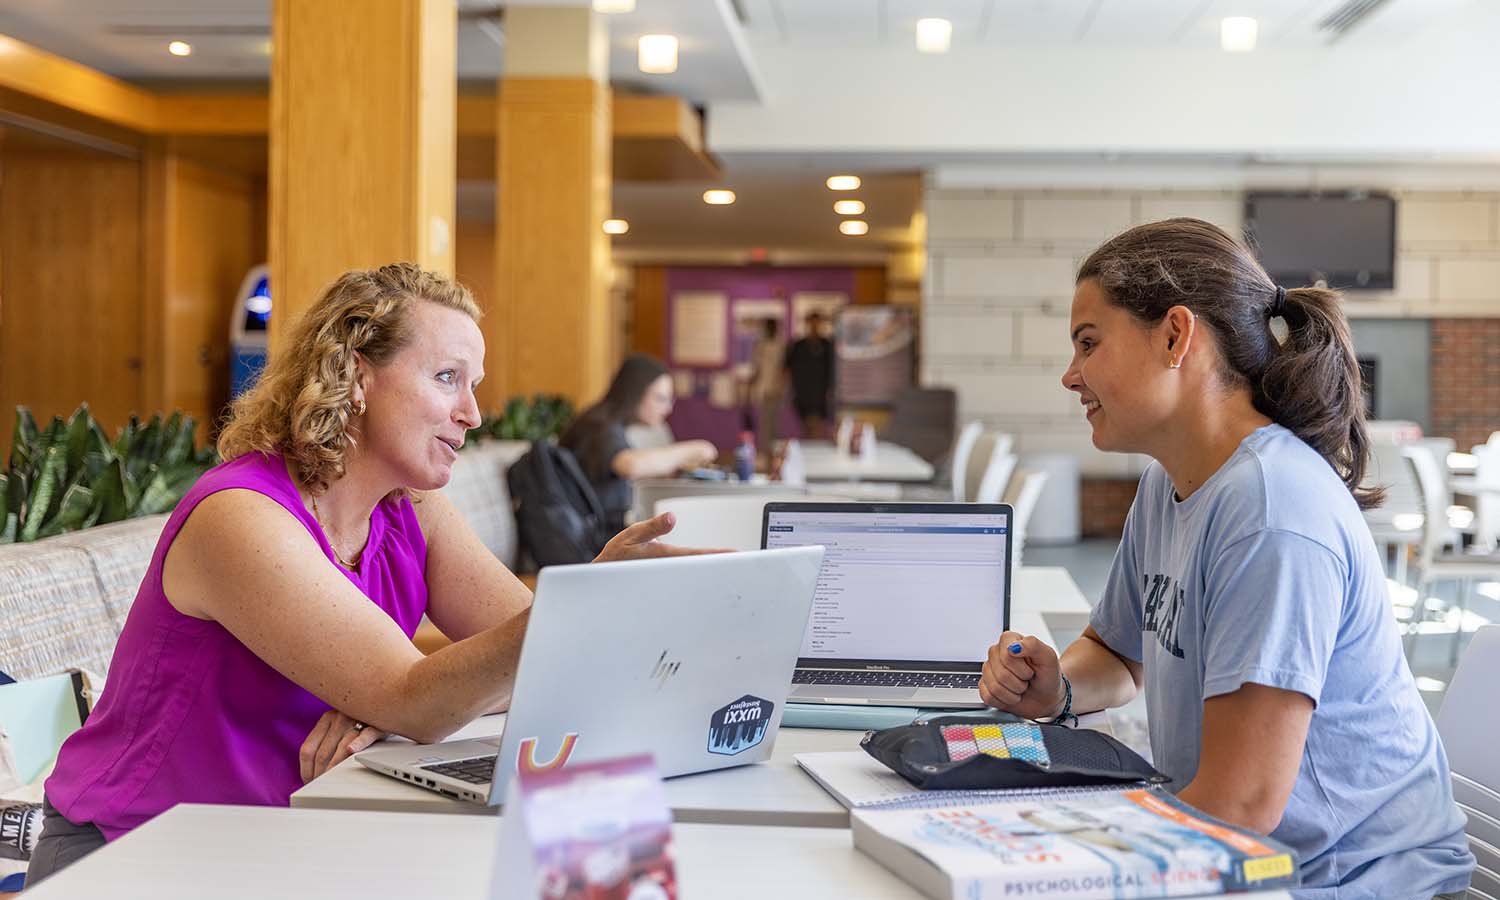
column 810, row 363
column 641, row 394
column 767, row 384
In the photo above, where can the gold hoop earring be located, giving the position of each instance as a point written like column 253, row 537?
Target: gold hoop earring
column 359, row 407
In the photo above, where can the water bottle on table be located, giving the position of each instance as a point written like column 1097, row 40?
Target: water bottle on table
column 744, row 457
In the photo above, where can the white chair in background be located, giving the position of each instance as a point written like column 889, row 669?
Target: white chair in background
column 1398, row 521
column 1470, row 736
column 989, row 469
column 1022, row 494
column 963, row 448
column 1433, row 563
column 724, row 522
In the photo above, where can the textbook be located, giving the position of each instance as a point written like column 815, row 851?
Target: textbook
column 1072, row 843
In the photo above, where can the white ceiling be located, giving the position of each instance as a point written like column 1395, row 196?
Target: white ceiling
column 980, row 25
column 232, row 40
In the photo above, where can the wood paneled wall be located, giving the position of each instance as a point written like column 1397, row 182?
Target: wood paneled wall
column 71, row 313
column 117, row 279
column 206, row 228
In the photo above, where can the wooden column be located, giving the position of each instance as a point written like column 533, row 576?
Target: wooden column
column 362, row 142
column 547, row 327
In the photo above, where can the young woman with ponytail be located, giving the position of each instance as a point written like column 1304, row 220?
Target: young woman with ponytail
column 1247, row 595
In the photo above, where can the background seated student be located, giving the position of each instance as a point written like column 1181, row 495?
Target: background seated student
column 1247, row 595
column 641, row 394
column 277, row 613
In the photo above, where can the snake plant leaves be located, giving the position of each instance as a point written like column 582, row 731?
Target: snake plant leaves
column 109, row 493
column 77, row 438
column 77, row 502
column 48, row 485
column 23, row 446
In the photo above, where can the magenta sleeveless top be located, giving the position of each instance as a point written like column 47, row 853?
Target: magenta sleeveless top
column 189, row 714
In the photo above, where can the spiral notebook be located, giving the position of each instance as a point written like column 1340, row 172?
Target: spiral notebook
column 859, row 781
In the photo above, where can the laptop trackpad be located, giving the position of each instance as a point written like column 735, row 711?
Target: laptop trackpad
column 831, row 693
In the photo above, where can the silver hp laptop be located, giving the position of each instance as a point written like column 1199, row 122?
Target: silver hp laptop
column 910, row 599
column 688, row 659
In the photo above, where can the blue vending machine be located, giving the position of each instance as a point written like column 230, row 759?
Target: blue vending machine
column 248, row 329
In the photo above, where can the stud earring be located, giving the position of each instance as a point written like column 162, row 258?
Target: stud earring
column 1175, row 364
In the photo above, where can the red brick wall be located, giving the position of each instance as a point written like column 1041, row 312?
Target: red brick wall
column 1465, row 379
column 1103, row 504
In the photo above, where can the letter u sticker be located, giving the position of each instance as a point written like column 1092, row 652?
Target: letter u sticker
column 528, row 764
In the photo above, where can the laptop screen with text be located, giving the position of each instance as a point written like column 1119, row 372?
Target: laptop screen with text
column 917, row 584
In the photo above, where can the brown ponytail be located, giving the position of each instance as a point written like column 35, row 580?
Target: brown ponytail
column 1309, row 383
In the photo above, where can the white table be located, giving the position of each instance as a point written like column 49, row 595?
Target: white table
column 221, row 852
column 891, row 462
column 775, row 792
column 227, row 852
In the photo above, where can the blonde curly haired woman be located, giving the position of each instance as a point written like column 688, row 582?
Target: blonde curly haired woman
column 277, row 613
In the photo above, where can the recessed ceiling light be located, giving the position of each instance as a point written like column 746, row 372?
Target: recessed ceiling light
column 657, row 54
column 614, row 6
column 854, row 226
column 849, row 207
column 843, row 183
column 1237, row 34
column 179, row 48
column 718, row 198
column 616, row 226
column 934, row 35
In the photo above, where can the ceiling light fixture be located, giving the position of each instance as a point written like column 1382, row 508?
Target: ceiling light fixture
column 614, row 6
column 843, row 183
column 1237, row 34
column 849, row 207
column 180, row 48
column 718, row 197
column 934, row 35
column 854, row 226
column 657, row 54
column 616, row 226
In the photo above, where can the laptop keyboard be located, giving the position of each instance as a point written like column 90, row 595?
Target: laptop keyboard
column 478, row 770
column 960, row 680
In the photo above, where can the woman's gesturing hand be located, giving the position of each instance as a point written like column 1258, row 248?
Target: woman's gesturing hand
column 335, row 738
column 639, row 541
column 1022, row 676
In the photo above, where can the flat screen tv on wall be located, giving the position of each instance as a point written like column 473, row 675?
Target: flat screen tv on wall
column 1344, row 240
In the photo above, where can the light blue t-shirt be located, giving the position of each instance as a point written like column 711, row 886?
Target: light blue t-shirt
column 1267, row 574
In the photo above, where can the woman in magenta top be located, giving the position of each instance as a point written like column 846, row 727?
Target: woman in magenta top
column 276, row 616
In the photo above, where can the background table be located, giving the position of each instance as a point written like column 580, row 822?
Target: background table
column 229, row 852
column 892, row 462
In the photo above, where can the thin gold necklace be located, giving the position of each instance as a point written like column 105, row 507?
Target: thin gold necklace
column 328, row 535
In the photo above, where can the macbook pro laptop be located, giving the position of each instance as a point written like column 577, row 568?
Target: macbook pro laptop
column 910, row 599
column 688, row 659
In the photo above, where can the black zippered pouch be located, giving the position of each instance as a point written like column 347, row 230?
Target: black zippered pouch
column 1000, row 751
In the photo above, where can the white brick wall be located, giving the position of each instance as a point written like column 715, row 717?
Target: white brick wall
column 970, row 216
column 1073, row 216
column 1000, row 281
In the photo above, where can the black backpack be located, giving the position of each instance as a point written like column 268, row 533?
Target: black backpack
column 558, row 516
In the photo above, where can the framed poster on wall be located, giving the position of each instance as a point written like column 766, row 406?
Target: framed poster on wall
column 700, row 329
column 873, row 346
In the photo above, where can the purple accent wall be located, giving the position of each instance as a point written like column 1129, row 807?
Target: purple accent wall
column 694, row 416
